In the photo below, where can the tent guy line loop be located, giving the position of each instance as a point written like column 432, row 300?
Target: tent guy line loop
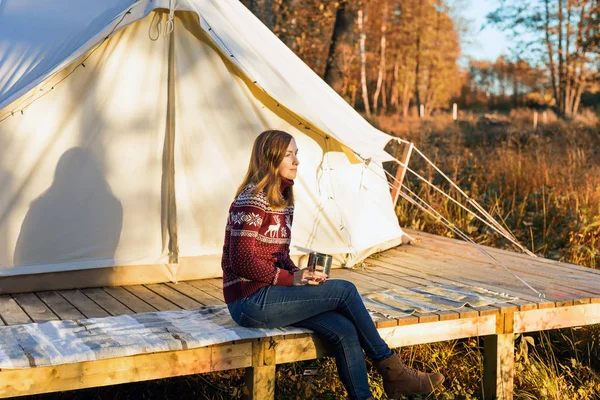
column 170, row 24
column 82, row 64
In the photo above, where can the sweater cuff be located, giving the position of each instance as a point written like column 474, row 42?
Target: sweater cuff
column 283, row 277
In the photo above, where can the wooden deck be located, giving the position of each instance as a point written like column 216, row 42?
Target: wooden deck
column 572, row 299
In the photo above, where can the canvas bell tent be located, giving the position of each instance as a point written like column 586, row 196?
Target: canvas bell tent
column 126, row 127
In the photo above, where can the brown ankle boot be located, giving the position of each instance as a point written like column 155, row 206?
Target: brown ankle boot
column 398, row 379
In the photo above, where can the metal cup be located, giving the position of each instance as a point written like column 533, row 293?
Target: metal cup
column 319, row 262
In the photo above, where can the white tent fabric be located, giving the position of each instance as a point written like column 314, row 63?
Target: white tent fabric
column 81, row 168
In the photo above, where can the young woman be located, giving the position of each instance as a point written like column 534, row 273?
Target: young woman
column 264, row 289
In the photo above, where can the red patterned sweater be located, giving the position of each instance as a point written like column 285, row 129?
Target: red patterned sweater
column 256, row 252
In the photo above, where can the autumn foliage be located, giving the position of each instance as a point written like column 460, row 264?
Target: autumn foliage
column 392, row 56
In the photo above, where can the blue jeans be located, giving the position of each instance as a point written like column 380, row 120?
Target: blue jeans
column 332, row 309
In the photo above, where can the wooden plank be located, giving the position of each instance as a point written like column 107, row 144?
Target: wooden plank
column 216, row 282
column 498, row 366
column 556, row 283
column 465, row 249
column 386, row 323
column 60, row 306
column 260, row 377
column 174, row 296
column 536, row 266
column 410, row 274
column 440, row 272
column 260, row 382
column 488, row 310
column 156, row 301
column 409, row 335
column 524, row 305
column 448, row 315
column 300, row 348
column 402, row 280
column 18, row 382
column 555, row 318
column 466, row 313
column 409, row 320
column 306, row 348
column 194, row 293
column 354, row 275
column 386, row 279
column 477, row 272
column 130, row 300
column 11, row 313
column 208, row 289
column 362, row 285
column 34, row 307
column 569, row 277
column 427, row 317
column 107, row 302
column 84, row 304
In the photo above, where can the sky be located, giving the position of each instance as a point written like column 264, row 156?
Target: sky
column 488, row 42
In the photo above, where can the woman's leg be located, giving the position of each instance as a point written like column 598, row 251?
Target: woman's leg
column 275, row 306
column 341, row 333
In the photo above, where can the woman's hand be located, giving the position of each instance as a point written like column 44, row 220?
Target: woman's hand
column 306, row 277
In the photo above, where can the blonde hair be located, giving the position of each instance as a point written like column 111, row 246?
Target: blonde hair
column 268, row 152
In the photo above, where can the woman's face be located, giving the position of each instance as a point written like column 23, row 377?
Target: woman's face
column 289, row 166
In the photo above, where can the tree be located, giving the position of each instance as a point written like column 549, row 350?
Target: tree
column 341, row 47
column 381, row 72
column 263, row 9
column 363, row 62
column 562, row 35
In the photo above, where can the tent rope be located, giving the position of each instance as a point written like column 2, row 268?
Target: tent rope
column 440, row 218
column 431, row 211
column 471, row 201
column 488, row 218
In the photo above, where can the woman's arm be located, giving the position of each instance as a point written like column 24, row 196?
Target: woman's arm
column 287, row 262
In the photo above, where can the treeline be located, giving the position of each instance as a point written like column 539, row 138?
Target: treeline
column 505, row 84
column 560, row 37
column 402, row 55
column 380, row 55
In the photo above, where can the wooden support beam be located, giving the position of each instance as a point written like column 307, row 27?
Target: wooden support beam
column 555, row 318
column 19, row 382
column 260, row 377
column 300, row 348
column 439, row 331
column 498, row 366
column 310, row 347
column 401, row 172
